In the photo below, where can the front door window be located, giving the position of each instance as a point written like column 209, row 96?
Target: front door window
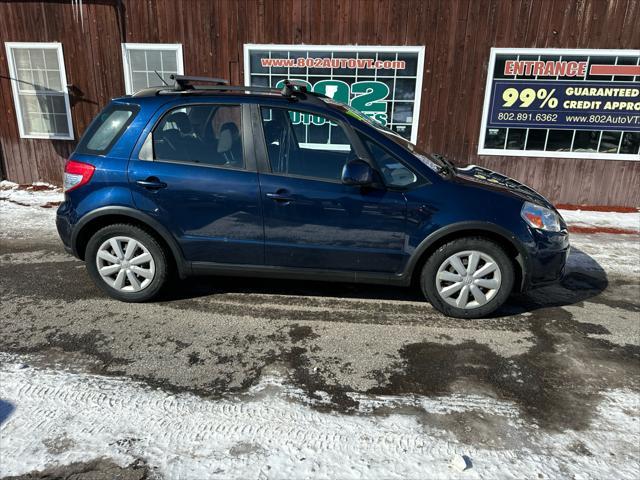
column 304, row 145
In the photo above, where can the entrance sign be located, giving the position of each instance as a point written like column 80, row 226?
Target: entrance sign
column 384, row 83
column 570, row 103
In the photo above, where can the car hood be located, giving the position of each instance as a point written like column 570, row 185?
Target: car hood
column 497, row 181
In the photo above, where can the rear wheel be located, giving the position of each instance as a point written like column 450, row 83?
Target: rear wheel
column 127, row 263
column 468, row 277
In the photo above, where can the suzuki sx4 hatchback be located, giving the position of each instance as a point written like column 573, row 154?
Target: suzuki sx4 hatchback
column 212, row 179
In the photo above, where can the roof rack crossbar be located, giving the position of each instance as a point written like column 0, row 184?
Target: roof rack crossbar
column 292, row 86
column 294, row 90
column 219, row 88
column 184, row 82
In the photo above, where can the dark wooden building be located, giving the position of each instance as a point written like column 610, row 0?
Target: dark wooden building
column 93, row 46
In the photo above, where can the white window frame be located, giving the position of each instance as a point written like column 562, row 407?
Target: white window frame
column 419, row 49
column 177, row 47
column 544, row 153
column 9, row 46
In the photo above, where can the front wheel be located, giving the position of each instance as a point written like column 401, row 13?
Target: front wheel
column 468, row 277
column 127, row 263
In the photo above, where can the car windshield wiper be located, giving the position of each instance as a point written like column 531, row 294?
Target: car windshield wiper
column 447, row 165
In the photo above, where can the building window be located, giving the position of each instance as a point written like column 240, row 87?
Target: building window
column 383, row 82
column 39, row 87
column 562, row 103
column 147, row 64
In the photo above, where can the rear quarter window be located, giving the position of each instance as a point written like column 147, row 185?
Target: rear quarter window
column 106, row 129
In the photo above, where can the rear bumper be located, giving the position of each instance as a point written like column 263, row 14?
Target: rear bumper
column 65, row 228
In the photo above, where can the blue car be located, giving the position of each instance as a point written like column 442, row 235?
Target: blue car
column 206, row 178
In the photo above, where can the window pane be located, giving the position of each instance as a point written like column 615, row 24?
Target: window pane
column 21, row 57
column 51, row 59
column 153, row 60
column 206, row 134
column 516, row 138
column 630, row 143
column 37, row 113
column 138, row 81
column 57, row 104
column 586, row 141
column 301, row 144
column 39, row 79
column 536, row 139
column 411, row 64
column 405, row 89
column 37, row 58
column 395, row 173
column 106, row 129
column 137, row 60
column 403, row 113
column 559, row 140
column 169, row 61
column 53, row 80
column 609, row 142
column 61, row 126
column 495, row 138
column 25, row 81
column 109, row 128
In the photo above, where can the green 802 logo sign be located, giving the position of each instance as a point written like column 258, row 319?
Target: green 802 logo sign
column 366, row 96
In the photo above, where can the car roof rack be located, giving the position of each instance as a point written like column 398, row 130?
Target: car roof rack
column 297, row 89
column 183, row 82
column 294, row 90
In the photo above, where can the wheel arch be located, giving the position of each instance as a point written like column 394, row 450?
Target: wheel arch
column 94, row 221
column 495, row 233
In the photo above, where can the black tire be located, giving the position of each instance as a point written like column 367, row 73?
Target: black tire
column 155, row 249
column 480, row 244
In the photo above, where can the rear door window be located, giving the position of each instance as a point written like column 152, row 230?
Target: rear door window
column 106, row 129
column 208, row 135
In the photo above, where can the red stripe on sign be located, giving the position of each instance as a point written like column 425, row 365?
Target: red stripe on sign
column 614, row 70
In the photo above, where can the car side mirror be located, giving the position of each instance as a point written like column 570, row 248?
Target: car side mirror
column 357, row 172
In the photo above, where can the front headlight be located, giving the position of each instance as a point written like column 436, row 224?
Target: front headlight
column 540, row 217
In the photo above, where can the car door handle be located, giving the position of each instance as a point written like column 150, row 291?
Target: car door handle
column 151, row 183
column 280, row 197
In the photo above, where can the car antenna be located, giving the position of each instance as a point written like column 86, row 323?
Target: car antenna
column 161, row 79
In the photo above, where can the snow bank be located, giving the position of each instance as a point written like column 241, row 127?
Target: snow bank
column 28, row 212
column 582, row 218
column 58, row 418
column 39, row 194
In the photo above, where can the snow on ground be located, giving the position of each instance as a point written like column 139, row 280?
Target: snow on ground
column 28, row 213
column 617, row 255
column 57, row 417
column 584, row 218
column 38, row 194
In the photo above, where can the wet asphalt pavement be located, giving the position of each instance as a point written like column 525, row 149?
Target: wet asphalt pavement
column 552, row 351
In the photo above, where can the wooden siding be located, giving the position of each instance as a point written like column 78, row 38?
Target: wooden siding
column 457, row 34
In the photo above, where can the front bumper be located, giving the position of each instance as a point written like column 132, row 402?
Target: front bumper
column 547, row 259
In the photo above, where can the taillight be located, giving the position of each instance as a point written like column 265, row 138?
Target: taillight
column 77, row 174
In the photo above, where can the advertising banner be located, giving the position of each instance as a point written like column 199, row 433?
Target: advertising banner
column 580, row 105
column 384, row 83
column 562, row 103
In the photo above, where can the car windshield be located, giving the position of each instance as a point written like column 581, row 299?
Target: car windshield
column 434, row 163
